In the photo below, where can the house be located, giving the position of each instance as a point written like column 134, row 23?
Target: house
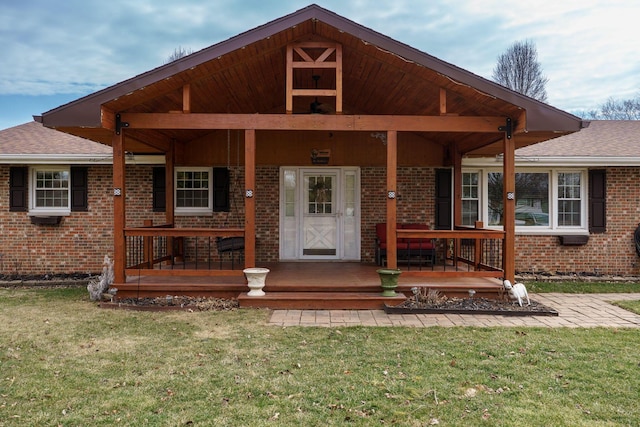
column 56, row 213
column 577, row 200
column 295, row 139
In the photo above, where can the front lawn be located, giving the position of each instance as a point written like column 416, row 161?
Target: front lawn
column 65, row 362
column 583, row 287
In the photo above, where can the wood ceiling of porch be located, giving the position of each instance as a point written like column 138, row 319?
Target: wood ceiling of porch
column 251, row 79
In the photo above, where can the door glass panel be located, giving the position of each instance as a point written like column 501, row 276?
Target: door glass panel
column 289, row 193
column 320, row 194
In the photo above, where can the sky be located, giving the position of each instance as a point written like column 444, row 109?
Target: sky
column 56, row 51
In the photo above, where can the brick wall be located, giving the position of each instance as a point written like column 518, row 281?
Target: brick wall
column 612, row 252
column 79, row 243
column 415, row 201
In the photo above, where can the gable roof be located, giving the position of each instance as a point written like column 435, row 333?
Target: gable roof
column 246, row 74
column 603, row 138
column 31, row 142
column 603, row 143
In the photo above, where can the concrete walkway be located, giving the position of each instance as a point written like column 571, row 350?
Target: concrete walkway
column 575, row 311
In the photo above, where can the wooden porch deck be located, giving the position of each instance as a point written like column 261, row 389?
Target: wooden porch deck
column 309, row 285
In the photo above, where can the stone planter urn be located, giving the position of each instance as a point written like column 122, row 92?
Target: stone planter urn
column 389, row 281
column 256, row 278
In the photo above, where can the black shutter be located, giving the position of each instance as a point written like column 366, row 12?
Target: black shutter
column 159, row 189
column 443, row 199
column 221, row 190
column 18, row 189
column 79, row 189
column 597, row 201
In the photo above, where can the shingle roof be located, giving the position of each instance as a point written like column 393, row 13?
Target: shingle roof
column 35, row 139
column 603, row 138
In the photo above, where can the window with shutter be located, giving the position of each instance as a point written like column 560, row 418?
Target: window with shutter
column 221, row 190
column 443, row 199
column 18, row 182
column 597, row 201
column 159, row 190
column 79, row 189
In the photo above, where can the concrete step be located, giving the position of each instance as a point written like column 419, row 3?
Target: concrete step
column 319, row 300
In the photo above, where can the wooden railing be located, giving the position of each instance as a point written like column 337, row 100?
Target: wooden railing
column 162, row 250
column 463, row 252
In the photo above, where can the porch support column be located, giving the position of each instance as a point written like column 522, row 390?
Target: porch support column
column 457, row 185
column 392, row 192
column 119, row 208
column 509, row 203
column 169, row 167
column 250, row 198
column 169, row 210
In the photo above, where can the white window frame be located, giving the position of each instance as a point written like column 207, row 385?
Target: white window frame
column 553, row 228
column 34, row 209
column 479, row 195
column 186, row 211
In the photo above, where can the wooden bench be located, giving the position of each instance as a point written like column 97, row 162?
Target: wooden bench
column 422, row 250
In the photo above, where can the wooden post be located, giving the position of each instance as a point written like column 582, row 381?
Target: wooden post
column 457, row 185
column 169, row 215
column 392, row 194
column 250, row 198
column 147, row 246
column 186, row 98
column 119, row 208
column 509, row 209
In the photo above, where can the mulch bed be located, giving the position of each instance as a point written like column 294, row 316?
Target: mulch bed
column 471, row 306
column 171, row 303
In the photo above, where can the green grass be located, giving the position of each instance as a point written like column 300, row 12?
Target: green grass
column 583, row 287
column 65, row 362
column 633, row 306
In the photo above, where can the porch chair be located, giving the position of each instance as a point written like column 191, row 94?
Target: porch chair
column 230, row 245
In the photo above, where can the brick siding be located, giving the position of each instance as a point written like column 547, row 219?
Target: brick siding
column 79, row 243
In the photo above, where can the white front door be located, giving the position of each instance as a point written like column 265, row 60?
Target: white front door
column 319, row 217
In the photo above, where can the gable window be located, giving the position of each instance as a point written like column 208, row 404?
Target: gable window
column 545, row 200
column 50, row 191
column 193, row 191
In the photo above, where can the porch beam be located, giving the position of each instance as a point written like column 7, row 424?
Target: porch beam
column 488, row 124
column 250, row 198
column 391, row 195
column 119, row 207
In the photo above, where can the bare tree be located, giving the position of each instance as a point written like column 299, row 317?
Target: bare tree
column 178, row 53
column 518, row 69
column 617, row 109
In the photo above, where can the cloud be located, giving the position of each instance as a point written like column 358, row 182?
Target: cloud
column 587, row 48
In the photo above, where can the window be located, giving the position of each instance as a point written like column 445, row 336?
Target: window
column 193, row 192
column 50, row 191
column 569, row 199
column 532, row 199
column 545, row 200
column 470, row 198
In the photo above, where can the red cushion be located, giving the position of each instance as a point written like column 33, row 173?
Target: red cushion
column 381, row 232
column 416, row 226
column 425, row 245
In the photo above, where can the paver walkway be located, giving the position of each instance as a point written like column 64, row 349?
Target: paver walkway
column 575, row 310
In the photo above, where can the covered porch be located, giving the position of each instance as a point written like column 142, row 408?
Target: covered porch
column 314, row 285
column 311, row 91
